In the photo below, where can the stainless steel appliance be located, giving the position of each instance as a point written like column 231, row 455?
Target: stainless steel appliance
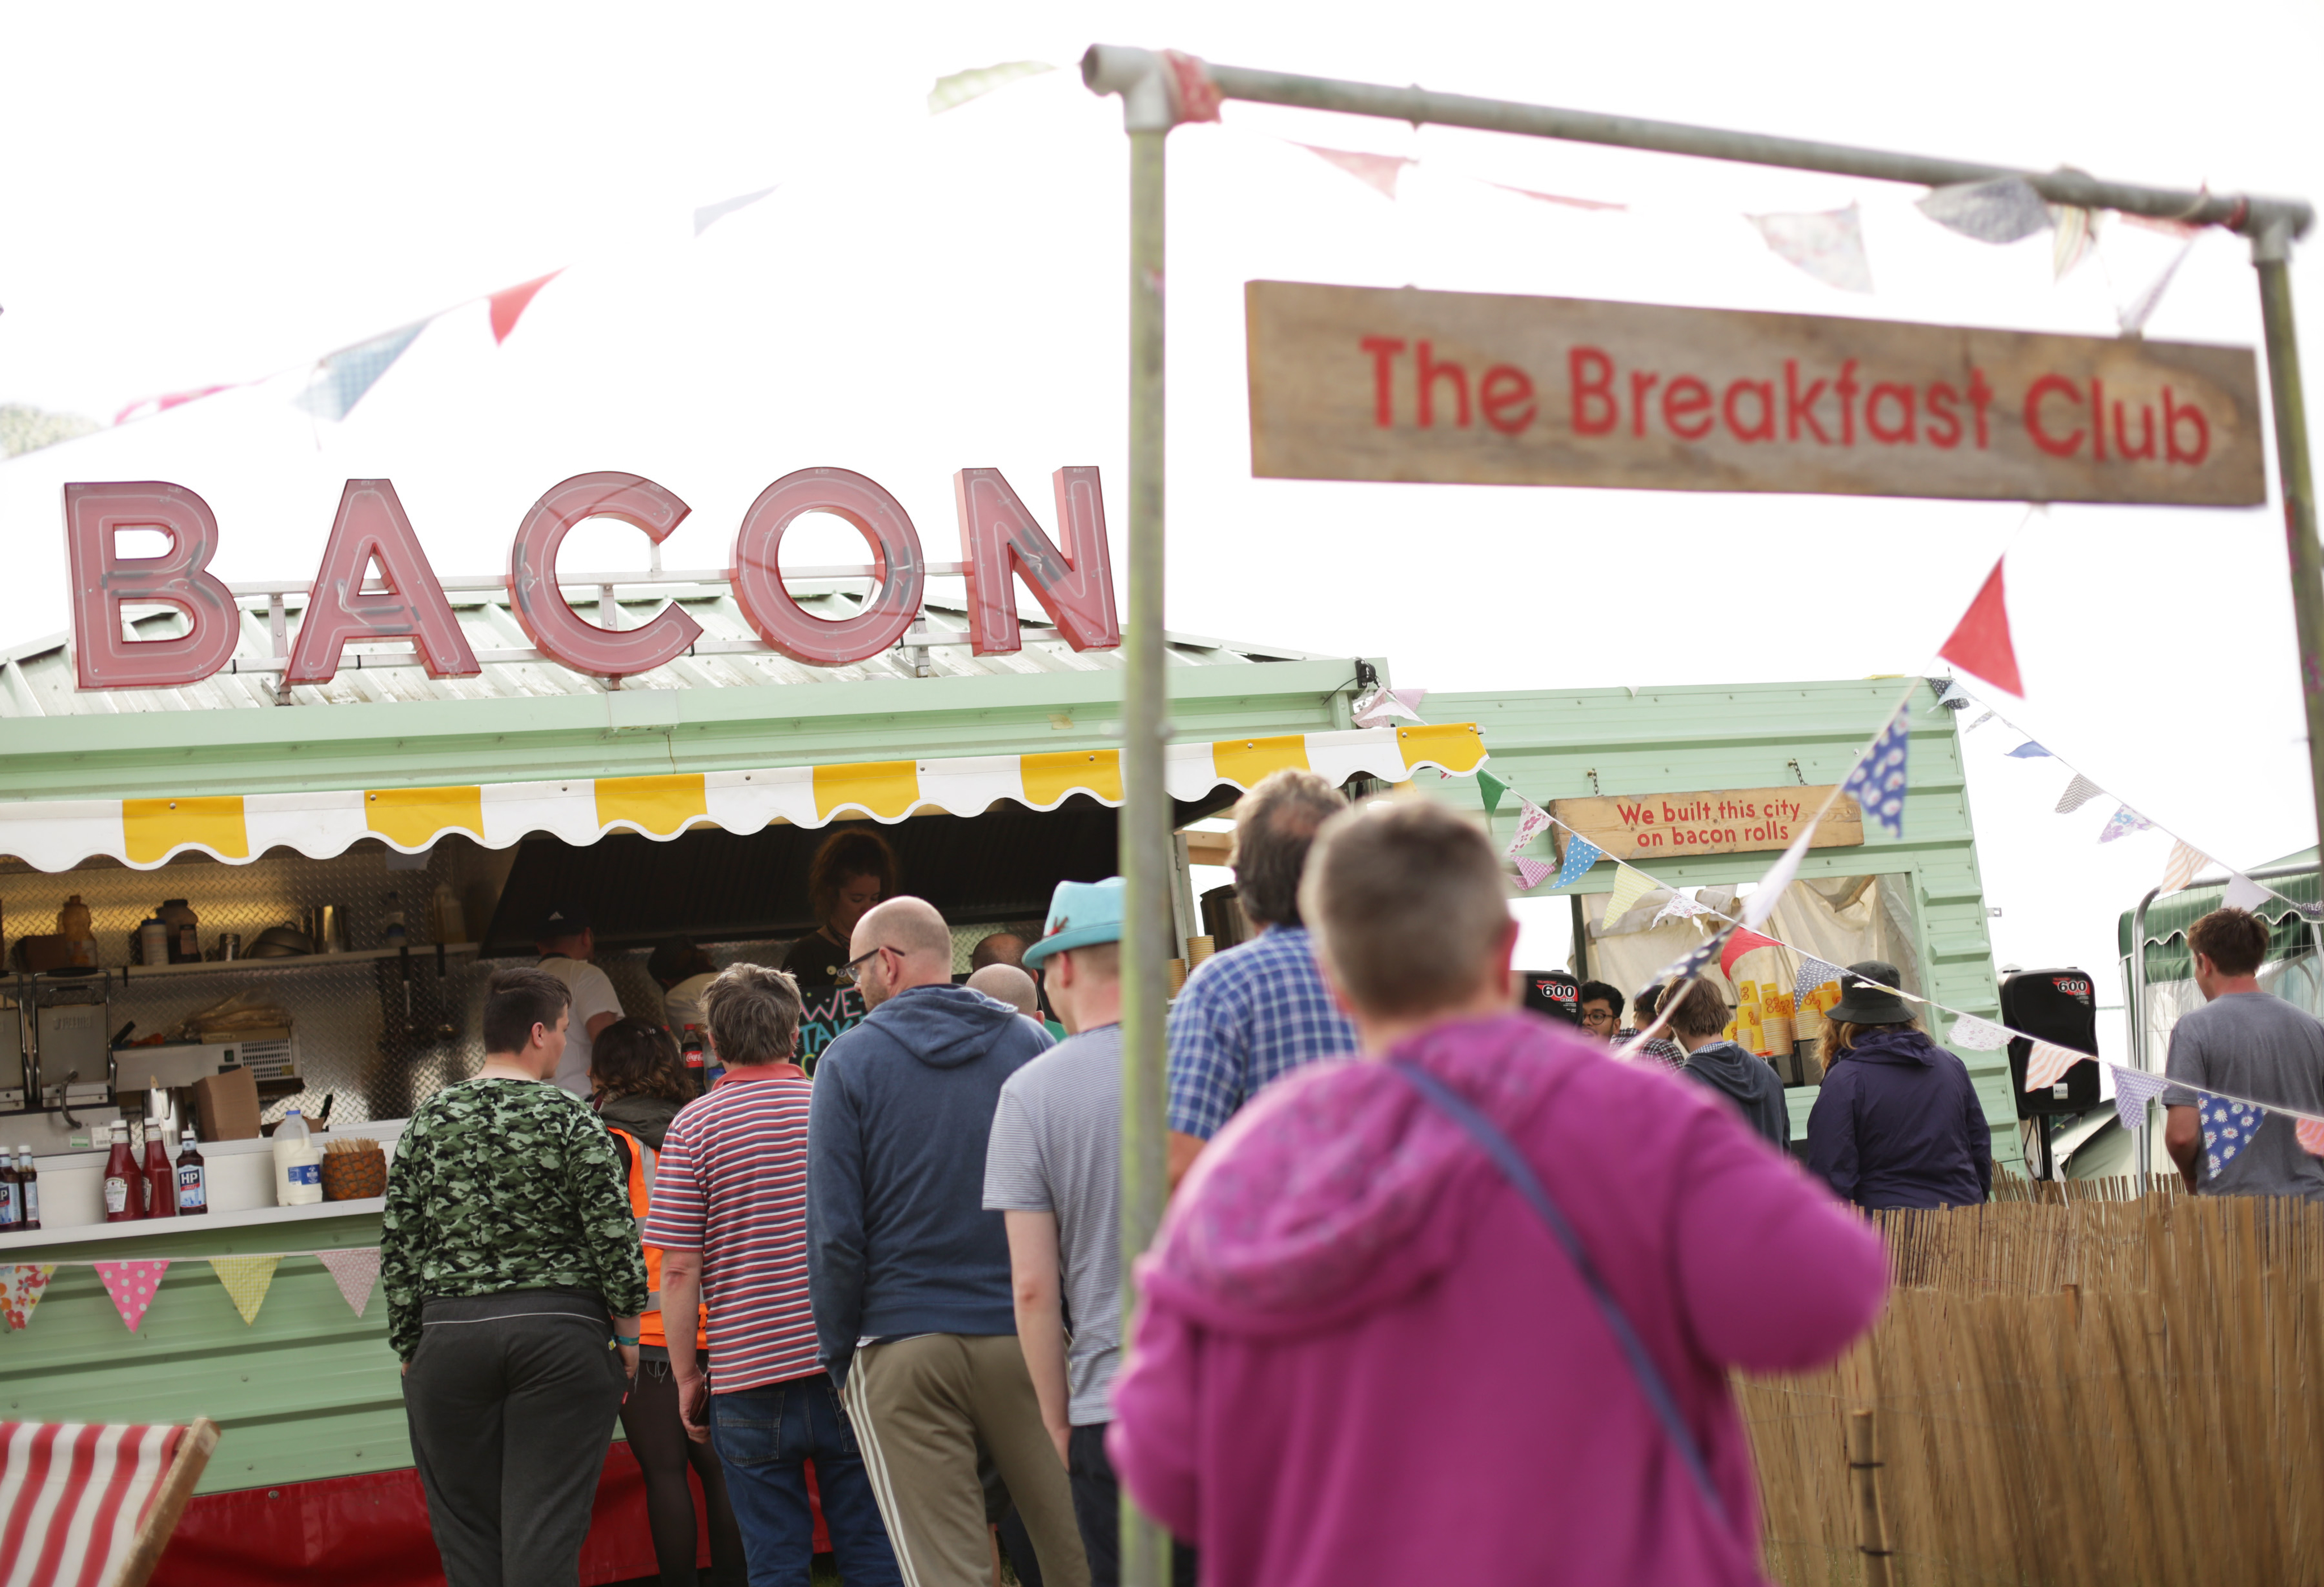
column 14, row 1079
column 72, row 1046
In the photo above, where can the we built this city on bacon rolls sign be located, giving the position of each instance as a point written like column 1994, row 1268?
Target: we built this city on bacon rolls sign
column 1364, row 383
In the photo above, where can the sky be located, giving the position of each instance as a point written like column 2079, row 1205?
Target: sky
column 222, row 196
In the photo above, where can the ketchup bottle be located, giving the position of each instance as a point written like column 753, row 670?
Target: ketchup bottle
column 160, row 1174
column 125, row 1187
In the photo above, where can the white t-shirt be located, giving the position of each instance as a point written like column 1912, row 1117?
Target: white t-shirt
column 681, row 1005
column 593, row 995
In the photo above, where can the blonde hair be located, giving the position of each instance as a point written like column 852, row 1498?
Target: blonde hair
column 1841, row 1034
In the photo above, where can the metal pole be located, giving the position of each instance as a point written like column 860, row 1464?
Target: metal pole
column 2271, row 257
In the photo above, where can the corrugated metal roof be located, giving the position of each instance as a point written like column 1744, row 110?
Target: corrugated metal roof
column 37, row 677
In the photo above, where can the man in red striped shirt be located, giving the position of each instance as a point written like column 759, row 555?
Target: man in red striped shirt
column 730, row 1218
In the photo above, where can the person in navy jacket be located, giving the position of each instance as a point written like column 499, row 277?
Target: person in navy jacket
column 1897, row 1122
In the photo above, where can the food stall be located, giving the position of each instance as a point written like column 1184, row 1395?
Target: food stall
column 686, row 796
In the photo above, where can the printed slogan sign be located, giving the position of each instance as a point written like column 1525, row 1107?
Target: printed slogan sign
column 827, row 1017
column 1355, row 382
column 1723, row 822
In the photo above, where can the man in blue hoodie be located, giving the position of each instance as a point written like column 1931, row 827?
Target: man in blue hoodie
column 909, row 1274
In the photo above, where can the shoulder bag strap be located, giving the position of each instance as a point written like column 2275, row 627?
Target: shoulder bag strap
column 1528, row 1183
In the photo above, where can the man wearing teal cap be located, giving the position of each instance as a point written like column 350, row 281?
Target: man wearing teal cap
column 1053, row 1167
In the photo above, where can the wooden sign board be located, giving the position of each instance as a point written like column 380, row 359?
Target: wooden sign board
column 1357, row 382
column 1723, row 821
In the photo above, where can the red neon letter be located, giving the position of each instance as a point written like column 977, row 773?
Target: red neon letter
column 998, row 538
column 103, row 582
column 561, row 633
column 896, row 563
column 1430, row 372
column 1597, row 386
column 1500, row 394
column 1383, row 350
column 2048, row 385
column 372, row 524
column 2173, row 416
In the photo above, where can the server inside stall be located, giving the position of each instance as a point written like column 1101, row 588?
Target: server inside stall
column 567, row 942
column 854, row 869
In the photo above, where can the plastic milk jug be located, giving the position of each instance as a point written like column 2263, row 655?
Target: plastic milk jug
column 297, row 1164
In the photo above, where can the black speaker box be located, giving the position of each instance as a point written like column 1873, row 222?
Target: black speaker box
column 2058, row 1006
column 1554, row 992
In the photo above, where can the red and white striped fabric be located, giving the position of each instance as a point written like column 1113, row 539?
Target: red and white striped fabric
column 71, row 1496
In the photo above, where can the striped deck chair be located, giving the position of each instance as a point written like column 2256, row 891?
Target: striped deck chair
column 87, row 1506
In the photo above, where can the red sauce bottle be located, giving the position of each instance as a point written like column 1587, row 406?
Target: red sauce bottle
column 160, row 1174
column 125, row 1187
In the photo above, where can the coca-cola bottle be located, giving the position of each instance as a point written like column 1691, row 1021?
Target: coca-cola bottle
column 124, row 1186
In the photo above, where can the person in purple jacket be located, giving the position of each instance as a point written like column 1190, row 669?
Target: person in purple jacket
column 1896, row 1122
column 1363, row 1355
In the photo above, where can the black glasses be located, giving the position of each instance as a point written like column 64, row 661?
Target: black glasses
column 850, row 974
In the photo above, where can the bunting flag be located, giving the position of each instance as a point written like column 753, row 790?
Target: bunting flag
column 2243, row 893
column 1378, row 173
column 1581, row 853
column 1490, row 788
column 2185, row 861
column 1813, row 973
column 2122, row 823
column 1980, row 722
column 961, row 87
column 1387, row 703
column 1680, row 907
column 1951, row 696
column 147, row 407
column 2228, row 1127
column 509, row 303
column 1878, row 781
column 2048, row 1063
column 1570, row 203
column 2133, row 1090
column 342, row 378
column 355, row 1272
column 1530, row 872
column 20, row 1288
column 2075, row 231
column 1738, row 943
column 1829, row 245
column 2079, row 792
column 1532, row 822
column 246, row 1280
column 1629, row 887
column 710, row 215
column 2003, row 209
column 1770, row 891
column 2134, row 319
column 1978, row 1036
column 2311, row 1136
column 131, row 1286
column 1689, row 965
column 1980, row 641
column 2030, row 751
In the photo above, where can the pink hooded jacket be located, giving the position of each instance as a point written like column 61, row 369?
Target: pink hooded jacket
column 1364, row 1359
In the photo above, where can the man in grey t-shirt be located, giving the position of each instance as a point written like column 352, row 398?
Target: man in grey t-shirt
column 2244, row 1043
column 1053, row 1166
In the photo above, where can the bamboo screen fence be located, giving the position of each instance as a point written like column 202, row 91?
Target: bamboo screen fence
column 2124, row 1389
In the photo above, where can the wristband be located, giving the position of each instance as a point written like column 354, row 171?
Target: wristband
column 629, row 1340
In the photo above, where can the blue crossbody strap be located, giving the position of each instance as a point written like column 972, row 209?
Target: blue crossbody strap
column 1528, row 1183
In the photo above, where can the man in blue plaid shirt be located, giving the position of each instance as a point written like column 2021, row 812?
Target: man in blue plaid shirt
column 1261, row 1009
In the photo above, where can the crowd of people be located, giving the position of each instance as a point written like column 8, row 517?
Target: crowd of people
column 1442, row 1293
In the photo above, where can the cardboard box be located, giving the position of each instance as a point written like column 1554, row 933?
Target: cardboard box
column 227, row 1105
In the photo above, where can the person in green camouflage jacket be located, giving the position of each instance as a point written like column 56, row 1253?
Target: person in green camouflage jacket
column 513, row 1279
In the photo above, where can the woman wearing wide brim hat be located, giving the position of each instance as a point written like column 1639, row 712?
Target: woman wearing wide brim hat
column 1897, row 1122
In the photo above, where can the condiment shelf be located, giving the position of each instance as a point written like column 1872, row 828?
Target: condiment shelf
column 250, row 1217
column 418, row 951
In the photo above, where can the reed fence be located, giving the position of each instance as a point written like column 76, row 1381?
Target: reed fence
column 2110, row 1384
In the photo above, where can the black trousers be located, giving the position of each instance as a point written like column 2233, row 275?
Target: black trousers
column 511, row 1399
column 1097, row 1510
column 658, row 1444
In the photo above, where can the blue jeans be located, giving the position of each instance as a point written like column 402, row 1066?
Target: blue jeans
column 763, row 1434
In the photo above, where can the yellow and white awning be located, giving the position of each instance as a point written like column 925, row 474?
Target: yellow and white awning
column 55, row 834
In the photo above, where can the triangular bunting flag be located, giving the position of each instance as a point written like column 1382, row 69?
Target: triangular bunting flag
column 1980, row 641
column 1490, row 788
column 509, row 303
column 1679, row 907
column 131, row 1286
column 1828, row 245
column 1581, row 853
column 2134, row 319
column 1772, row 886
column 1532, row 822
column 2311, row 1136
column 1629, row 887
column 2048, row 1063
column 2185, row 861
column 1378, row 171
column 2030, row 751
column 2122, row 823
column 962, row 86
column 1950, row 693
column 247, row 1280
column 1813, row 973
column 2228, row 1127
column 1978, row 1035
column 1980, row 722
column 1689, row 965
column 1391, row 702
column 2133, row 1090
column 2003, row 209
column 2079, row 792
column 354, row 1272
column 1530, row 872
column 341, row 379
column 2242, row 893
column 2076, row 229
column 21, row 1287
column 1742, row 942
column 1557, row 197
column 709, row 214
column 1878, row 779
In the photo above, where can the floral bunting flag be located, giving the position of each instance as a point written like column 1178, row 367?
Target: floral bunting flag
column 1679, row 907
column 2185, row 861
column 246, row 1280
column 131, row 1286
column 355, row 1272
column 20, row 1288
column 1581, row 853
column 1879, row 780
column 2048, row 1063
column 1532, row 822
column 1828, row 245
column 2133, row 1090
column 2228, row 1127
column 2122, row 823
column 1530, row 872
column 1391, row 702
column 1629, row 887
column 1814, row 973
column 1978, row 1036
column 2079, row 792
column 2003, row 209
column 1378, row 173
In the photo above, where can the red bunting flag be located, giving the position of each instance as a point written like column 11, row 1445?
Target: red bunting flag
column 509, row 303
column 1377, row 171
column 1980, row 642
column 1741, row 943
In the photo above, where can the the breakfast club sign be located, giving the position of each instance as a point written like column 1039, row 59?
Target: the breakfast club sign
column 1354, row 383
column 1722, row 821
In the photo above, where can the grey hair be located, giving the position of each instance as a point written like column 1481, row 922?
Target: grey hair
column 753, row 1013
